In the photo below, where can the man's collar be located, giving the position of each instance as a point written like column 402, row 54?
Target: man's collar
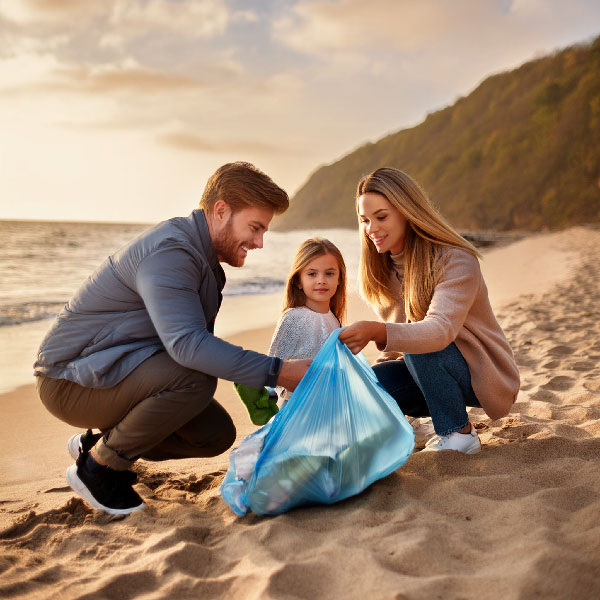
column 204, row 234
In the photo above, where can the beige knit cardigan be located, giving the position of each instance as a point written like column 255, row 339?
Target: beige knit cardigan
column 459, row 312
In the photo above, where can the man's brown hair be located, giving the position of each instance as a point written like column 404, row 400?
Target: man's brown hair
column 242, row 185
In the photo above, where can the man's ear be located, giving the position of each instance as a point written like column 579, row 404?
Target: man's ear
column 221, row 213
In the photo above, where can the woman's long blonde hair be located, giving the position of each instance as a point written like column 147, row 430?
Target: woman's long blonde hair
column 307, row 252
column 427, row 233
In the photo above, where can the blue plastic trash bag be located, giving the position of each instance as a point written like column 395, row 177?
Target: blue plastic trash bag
column 339, row 432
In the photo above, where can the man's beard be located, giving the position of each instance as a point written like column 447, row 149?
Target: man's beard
column 227, row 247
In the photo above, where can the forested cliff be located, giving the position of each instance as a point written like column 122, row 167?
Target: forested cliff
column 522, row 151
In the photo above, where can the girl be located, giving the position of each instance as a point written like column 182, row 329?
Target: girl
column 315, row 302
column 424, row 280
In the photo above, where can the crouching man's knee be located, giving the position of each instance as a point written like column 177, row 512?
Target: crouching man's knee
column 200, row 384
column 227, row 436
column 210, row 433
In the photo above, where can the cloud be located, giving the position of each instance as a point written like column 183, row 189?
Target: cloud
column 414, row 28
column 249, row 16
column 314, row 26
column 427, row 48
column 132, row 80
column 106, row 80
column 28, row 12
column 200, row 18
column 154, row 32
column 194, row 143
column 114, row 46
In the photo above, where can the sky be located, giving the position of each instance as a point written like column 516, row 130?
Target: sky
column 119, row 110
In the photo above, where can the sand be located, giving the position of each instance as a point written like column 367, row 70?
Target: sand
column 519, row 520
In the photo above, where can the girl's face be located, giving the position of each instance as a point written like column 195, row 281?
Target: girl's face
column 382, row 223
column 319, row 280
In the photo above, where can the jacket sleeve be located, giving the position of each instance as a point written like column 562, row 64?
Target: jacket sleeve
column 450, row 304
column 168, row 282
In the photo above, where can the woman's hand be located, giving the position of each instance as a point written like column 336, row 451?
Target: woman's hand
column 359, row 334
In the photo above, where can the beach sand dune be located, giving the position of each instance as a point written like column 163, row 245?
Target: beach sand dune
column 519, row 520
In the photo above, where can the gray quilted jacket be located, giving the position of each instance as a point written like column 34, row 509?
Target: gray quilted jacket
column 160, row 292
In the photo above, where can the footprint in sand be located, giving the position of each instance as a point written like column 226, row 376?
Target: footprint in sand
column 545, row 396
column 548, row 326
column 553, row 364
column 560, row 383
column 196, row 560
column 560, row 350
column 517, row 431
column 524, row 360
column 592, row 386
column 8, row 561
column 166, row 486
column 582, row 365
column 73, row 514
column 160, row 482
column 525, row 387
column 576, row 414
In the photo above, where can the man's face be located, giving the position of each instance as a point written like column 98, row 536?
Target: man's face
column 241, row 232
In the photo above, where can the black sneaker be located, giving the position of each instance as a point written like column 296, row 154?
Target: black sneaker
column 107, row 490
column 82, row 442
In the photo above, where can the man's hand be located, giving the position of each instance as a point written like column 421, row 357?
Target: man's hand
column 359, row 334
column 292, row 371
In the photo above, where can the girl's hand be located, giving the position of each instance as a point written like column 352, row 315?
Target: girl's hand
column 359, row 334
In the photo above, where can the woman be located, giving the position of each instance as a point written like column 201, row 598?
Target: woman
column 443, row 349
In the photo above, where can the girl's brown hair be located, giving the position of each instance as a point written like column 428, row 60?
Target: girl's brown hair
column 427, row 233
column 307, row 252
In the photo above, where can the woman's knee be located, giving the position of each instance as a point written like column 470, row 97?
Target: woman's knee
column 393, row 375
column 448, row 357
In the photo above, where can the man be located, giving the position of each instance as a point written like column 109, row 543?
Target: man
column 133, row 352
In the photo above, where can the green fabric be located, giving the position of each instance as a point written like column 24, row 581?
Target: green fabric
column 261, row 407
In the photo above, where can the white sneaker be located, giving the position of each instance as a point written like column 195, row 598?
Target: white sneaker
column 82, row 442
column 73, row 445
column 467, row 443
column 424, row 431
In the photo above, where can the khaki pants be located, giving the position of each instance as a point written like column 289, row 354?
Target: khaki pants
column 160, row 411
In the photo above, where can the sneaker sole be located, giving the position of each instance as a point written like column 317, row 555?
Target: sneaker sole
column 73, row 445
column 421, row 441
column 80, row 488
column 469, row 451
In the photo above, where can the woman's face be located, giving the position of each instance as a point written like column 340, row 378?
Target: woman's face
column 382, row 223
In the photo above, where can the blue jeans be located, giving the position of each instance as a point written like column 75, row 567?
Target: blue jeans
column 436, row 384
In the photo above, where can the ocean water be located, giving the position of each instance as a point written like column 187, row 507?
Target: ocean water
column 43, row 263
